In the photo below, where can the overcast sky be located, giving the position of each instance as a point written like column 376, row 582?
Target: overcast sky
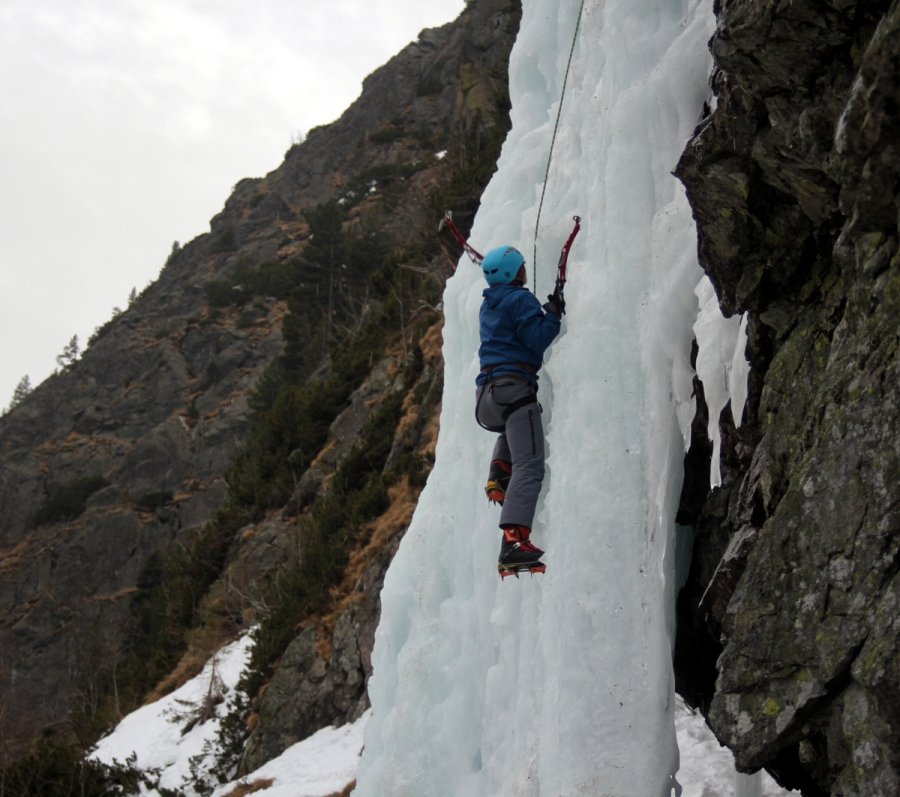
column 126, row 123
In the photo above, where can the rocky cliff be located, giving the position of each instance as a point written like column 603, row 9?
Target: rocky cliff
column 143, row 521
column 788, row 627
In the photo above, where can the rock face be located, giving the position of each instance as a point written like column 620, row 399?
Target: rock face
column 321, row 678
column 111, row 465
column 311, row 689
column 139, row 412
column 794, row 181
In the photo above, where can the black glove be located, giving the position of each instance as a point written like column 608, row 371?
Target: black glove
column 555, row 305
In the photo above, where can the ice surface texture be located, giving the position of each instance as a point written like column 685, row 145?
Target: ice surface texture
column 561, row 684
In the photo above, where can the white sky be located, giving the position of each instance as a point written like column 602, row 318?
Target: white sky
column 124, row 125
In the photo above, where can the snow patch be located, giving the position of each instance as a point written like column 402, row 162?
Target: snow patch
column 321, row 765
column 170, row 737
column 164, row 740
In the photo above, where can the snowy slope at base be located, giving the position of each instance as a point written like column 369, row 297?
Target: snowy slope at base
column 322, row 765
column 326, row 762
column 164, row 737
column 562, row 684
column 176, row 753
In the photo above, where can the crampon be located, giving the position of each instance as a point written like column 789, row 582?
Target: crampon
column 506, row 570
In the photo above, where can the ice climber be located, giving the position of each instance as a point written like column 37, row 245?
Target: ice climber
column 515, row 332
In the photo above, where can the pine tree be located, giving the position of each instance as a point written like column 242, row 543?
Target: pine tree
column 327, row 249
column 22, row 390
column 69, row 353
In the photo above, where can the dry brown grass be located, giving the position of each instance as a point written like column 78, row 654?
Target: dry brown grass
column 115, row 597
column 190, row 665
column 248, row 788
column 432, row 349
column 381, row 532
column 378, row 534
column 12, row 558
column 346, row 791
column 203, row 643
column 432, row 342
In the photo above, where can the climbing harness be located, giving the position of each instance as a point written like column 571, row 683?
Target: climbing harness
column 447, row 222
column 562, row 97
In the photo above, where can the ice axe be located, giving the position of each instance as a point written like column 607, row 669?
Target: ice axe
column 470, row 250
column 557, row 297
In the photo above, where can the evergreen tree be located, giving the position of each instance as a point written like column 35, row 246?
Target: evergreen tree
column 22, row 390
column 326, row 251
column 69, row 353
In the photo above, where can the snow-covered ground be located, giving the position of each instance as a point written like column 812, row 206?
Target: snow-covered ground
column 177, row 753
column 326, row 762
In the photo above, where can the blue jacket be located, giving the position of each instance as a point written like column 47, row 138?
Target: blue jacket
column 515, row 330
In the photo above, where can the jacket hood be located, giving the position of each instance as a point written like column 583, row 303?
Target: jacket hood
column 497, row 293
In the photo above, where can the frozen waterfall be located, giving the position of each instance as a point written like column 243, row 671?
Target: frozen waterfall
column 561, row 684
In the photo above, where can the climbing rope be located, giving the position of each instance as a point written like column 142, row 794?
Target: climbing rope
column 562, row 97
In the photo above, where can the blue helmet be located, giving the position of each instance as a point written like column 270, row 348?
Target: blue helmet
column 501, row 265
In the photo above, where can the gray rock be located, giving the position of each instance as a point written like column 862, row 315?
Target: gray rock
column 794, row 184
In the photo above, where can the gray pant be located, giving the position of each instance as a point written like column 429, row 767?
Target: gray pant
column 508, row 405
